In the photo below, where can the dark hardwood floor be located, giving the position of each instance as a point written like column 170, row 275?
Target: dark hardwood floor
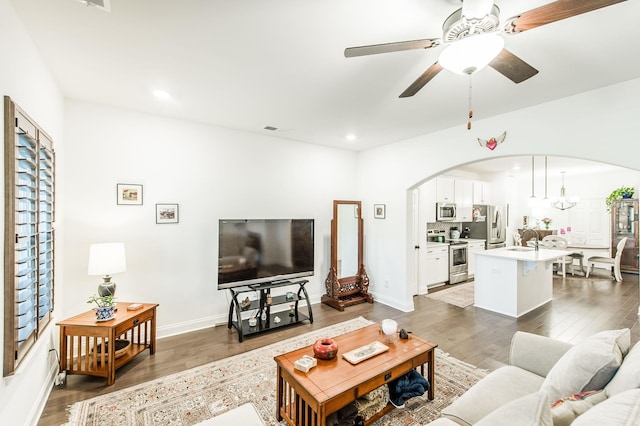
column 580, row 308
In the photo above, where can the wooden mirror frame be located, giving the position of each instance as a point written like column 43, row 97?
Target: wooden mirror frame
column 351, row 290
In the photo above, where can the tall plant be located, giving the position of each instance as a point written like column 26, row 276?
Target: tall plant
column 618, row 194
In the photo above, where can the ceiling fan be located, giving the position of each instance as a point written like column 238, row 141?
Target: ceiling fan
column 473, row 31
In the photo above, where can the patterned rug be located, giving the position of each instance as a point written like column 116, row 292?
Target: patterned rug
column 197, row 394
column 460, row 295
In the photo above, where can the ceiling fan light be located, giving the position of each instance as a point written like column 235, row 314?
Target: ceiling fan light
column 471, row 54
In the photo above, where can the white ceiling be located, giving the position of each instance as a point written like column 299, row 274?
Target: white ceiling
column 255, row 63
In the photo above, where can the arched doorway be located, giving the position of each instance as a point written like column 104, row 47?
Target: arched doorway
column 591, row 181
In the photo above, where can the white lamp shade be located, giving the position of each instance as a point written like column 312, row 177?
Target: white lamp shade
column 106, row 259
column 471, row 54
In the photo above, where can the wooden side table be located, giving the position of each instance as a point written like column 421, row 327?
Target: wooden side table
column 82, row 339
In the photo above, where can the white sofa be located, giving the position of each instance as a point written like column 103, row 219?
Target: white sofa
column 549, row 382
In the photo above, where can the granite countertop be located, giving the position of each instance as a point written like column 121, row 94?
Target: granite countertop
column 525, row 253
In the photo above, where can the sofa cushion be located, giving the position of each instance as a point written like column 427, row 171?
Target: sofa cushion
column 541, row 360
column 493, row 391
column 622, row 409
column 566, row 410
column 529, row 410
column 589, row 365
column 628, row 375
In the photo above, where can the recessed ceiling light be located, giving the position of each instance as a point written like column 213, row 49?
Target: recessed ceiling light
column 351, row 137
column 161, row 94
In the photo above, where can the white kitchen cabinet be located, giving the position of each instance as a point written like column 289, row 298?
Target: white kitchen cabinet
column 436, row 265
column 473, row 247
column 481, row 192
column 464, row 199
column 445, row 189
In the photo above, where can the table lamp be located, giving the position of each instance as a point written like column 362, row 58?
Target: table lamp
column 106, row 259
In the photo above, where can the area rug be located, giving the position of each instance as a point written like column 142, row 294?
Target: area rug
column 245, row 414
column 460, row 295
column 200, row 393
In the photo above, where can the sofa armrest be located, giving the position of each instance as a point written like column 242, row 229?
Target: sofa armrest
column 535, row 353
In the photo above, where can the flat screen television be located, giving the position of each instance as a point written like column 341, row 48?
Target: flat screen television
column 255, row 251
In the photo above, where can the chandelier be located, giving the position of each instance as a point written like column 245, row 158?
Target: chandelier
column 563, row 203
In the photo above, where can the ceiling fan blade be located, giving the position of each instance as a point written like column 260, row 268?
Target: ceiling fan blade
column 426, row 77
column 552, row 12
column 512, row 67
column 399, row 46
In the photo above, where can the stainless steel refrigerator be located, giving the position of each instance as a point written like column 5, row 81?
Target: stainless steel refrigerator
column 488, row 223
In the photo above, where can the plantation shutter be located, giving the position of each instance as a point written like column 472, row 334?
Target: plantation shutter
column 45, row 231
column 29, row 234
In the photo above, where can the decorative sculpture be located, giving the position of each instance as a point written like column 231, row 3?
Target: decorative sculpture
column 493, row 142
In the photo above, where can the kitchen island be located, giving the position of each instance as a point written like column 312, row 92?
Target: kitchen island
column 514, row 280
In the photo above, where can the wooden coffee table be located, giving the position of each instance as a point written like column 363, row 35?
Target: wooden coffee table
column 308, row 398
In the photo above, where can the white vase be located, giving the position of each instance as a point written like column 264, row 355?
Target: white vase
column 105, row 313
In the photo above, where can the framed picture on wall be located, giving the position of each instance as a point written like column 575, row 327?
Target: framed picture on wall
column 129, row 194
column 166, row 213
column 379, row 211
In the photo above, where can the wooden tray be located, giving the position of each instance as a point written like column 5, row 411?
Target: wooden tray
column 365, row 352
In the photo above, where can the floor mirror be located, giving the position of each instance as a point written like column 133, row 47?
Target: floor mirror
column 347, row 283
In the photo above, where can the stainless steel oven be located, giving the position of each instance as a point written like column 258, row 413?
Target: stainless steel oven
column 458, row 261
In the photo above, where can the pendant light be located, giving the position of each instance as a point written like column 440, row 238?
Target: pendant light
column 533, row 185
column 564, row 203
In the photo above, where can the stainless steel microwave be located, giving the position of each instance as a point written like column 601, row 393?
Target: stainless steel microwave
column 445, row 212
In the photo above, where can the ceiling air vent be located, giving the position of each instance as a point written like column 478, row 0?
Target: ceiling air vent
column 104, row 5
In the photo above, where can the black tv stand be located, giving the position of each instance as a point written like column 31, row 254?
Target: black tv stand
column 262, row 305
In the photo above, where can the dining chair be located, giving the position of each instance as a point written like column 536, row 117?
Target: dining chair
column 580, row 240
column 610, row 261
column 559, row 243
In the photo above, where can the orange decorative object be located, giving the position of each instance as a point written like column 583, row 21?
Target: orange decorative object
column 325, row 348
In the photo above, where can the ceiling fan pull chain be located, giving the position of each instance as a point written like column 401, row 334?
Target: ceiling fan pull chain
column 470, row 109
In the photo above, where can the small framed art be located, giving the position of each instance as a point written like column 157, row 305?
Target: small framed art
column 129, row 194
column 379, row 211
column 167, row 213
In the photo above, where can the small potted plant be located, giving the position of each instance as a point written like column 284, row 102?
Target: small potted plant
column 547, row 221
column 105, row 307
column 619, row 194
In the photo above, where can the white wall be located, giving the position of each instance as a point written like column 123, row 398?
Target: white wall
column 212, row 173
column 26, row 80
column 597, row 125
